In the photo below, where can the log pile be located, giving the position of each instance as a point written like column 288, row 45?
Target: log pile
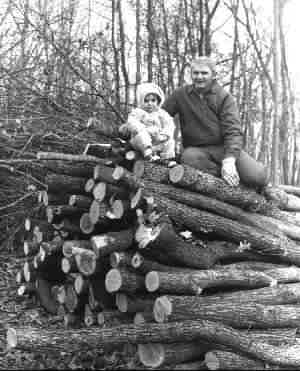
column 191, row 272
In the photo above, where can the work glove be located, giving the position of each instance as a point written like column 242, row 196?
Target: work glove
column 229, row 171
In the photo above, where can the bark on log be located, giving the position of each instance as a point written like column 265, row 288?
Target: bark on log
column 77, row 169
column 151, row 171
column 284, row 200
column 73, row 247
column 275, row 336
column 202, row 202
column 226, row 360
column 122, row 279
column 144, row 265
column 98, row 211
column 162, row 333
column 132, row 304
column 126, row 178
column 99, row 298
column 104, row 174
column 156, row 355
column 290, row 189
column 109, row 318
column 164, row 238
column 282, row 294
column 197, row 365
column 120, row 259
column 107, row 243
column 80, row 201
column 204, row 222
column 189, row 178
column 242, row 316
column 64, row 183
column 193, row 283
column 66, row 157
column 55, row 198
column 143, row 317
column 58, row 212
column 43, row 292
column 103, row 191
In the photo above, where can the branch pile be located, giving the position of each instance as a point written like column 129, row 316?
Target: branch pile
column 188, row 271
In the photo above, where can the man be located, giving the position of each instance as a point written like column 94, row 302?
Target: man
column 211, row 130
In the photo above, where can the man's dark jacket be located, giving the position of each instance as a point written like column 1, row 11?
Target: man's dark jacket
column 210, row 118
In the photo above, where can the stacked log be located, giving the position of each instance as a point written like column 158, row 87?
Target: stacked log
column 192, row 271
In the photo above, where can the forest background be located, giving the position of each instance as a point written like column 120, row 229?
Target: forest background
column 71, row 65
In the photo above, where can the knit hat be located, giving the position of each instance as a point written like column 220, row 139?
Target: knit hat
column 205, row 61
column 149, row 88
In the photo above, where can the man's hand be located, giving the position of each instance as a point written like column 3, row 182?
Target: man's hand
column 229, row 171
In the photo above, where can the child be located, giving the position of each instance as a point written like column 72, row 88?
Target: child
column 151, row 129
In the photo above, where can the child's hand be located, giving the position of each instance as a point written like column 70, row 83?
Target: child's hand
column 124, row 130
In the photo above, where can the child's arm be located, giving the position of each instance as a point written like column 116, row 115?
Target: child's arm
column 134, row 123
column 167, row 123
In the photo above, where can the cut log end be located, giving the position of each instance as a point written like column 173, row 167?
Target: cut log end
column 89, row 185
column 162, row 309
column 72, row 200
column 211, row 361
column 113, row 280
column 151, row 355
column 136, row 260
column 99, row 191
column 65, row 265
column 176, row 173
column 86, row 224
column 121, row 302
column 118, row 209
column 27, row 224
column 11, row 338
column 152, row 281
column 118, row 173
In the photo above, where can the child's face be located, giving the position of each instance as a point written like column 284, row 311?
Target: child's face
column 150, row 103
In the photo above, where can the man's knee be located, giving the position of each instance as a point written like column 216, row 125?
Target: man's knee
column 200, row 159
column 252, row 172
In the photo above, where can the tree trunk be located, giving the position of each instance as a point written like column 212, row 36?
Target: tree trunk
column 199, row 201
column 242, row 316
column 65, row 183
column 193, row 283
column 132, row 304
column 162, row 333
column 187, row 254
column 158, row 355
column 123, row 280
column 105, row 244
column 225, row 360
column 204, row 222
column 283, row 294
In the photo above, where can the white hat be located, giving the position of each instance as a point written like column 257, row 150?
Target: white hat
column 149, row 88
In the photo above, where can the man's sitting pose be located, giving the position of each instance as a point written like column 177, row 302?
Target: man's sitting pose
column 211, row 130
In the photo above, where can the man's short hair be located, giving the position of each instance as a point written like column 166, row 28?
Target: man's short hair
column 204, row 61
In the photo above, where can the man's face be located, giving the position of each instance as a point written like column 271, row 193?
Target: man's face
column 150, row 103
column 202, row 76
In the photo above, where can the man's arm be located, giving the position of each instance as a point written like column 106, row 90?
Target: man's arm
column 233, row 140
column 231, row 127
column 170, row 105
